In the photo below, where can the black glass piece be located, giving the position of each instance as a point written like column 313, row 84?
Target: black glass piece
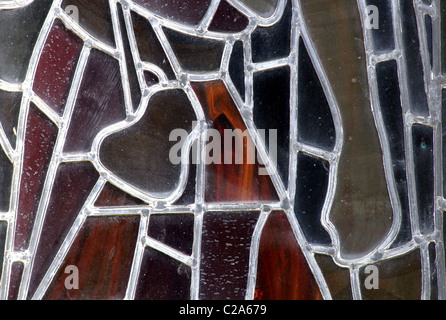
column 18, row 35
column 273, row 42
column 414, row 64
column 131, row 70
column 94, row 17
column 382, row 30
column 272, row 112
column 391, row 110
column 149, row 47
column 174, row 230
column 9, row 113
column 433, row 271
column 424, row 175
column 428, row 24
column 315, row 121
column 237, row 68
column 311, row 190
column 6, row 169
column 195, row 54
column 3, row 230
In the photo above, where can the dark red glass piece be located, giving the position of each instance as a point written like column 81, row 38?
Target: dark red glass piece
column 103, row 253
column 183, row 11
column 231, row 182
column 40, row 137
column 175, row 230
column 15, row 279
column 112, row 196
column 72, row 186
column 56, row 66
column 99, row 104
column 162, row 278
column 282, row 271
column 225, row 250
column 228, row 19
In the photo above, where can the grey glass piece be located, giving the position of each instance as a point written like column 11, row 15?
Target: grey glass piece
column 264, row 8
column 433, row 271
column 6, row 169
column 18, row 35
column 9, row 113
column 195, row 54
column 383, row 35
column 443, row 123
column 237, row 68
column 428, row 26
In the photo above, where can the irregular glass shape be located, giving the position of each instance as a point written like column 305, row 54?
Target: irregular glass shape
column 15, row 279
column 6, row 170
column 228, row 19
column 3, row 230
column 9, row 114
column 237, row 68
column 382, row 30
column 264, row 8
column 112, row 196
column 337, row 278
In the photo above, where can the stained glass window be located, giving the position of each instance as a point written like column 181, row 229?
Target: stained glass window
column 222, row 149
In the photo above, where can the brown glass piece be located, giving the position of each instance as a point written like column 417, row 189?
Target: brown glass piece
column 399, row 279
column 282, row 270
column 225, row 249
column 103, row 253
column 40, row 137
column 99, row 104
column 337, row 278
column 94, row 17
column 162, row 278
column 56, row 67
column 183, row 11
column 361, row 211
column 230, row 182
column 112, row 196
column 72, row 186
column 139, row 154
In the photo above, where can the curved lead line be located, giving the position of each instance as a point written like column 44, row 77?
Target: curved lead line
column 261, row 21
column 14, row 4
column 379, row 123
column 10, row 87
column 207, row 19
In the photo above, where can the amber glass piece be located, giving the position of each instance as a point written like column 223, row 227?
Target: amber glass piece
column 9, row 113
column 228, row 19
column 149, row 47
column 56, row 67
column 14, row 282
column 103, row 253
column 40, row 138
column 337, row 278
column 195, row 54
column 112, row 196
column 6, row 170
column 264, row 8
column 139, row 154
column 72, row 185
column 95, row 17
column 361, row 211
column 282, row 271
column 399, row 279
column 99, row 104
column 162, row 278
column 183, row 11
column 175, row 230
column 230, row 182
column 18, row 36
column 225, row 249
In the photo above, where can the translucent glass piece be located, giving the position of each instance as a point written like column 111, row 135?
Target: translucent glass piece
column 162, row 278
column 95, row 17
column 40, row 138
column 273, row 42
column 225, row 249
column 272, row 112
column 9, row 114
column 99, row 103
column 311, row 191
column 228, row 19
column 18, row 35
column 103, row 253
column 282, row 271
column 264, row 8
column 383, row 35
column 72, row 186
column 337, row 278
column 140, row 154
column 195, row 54
column 56, row 67
column 175, row 230
column 361, row 191
column 423, row 145
column 189, row 193
column 398, row 279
